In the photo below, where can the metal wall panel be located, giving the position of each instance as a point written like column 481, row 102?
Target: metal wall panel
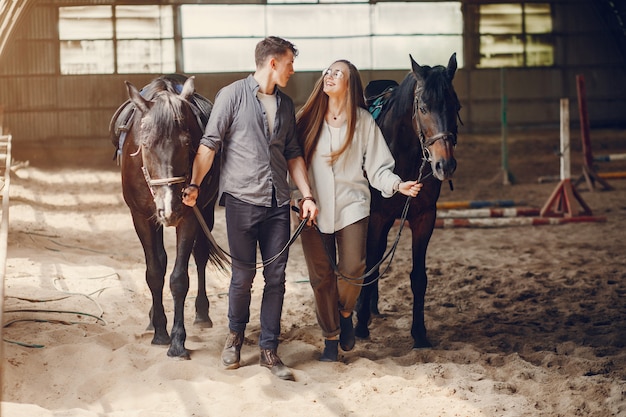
column 41, row 24
column 43, row 107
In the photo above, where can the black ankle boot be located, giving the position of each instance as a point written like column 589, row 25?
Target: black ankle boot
column 346, row 338
column 331, row 351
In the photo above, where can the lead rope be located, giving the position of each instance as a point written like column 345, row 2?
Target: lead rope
column 390, row 253
column 223, row 254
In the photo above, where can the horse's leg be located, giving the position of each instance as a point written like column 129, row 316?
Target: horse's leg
column 201, row 256
column 179, row 285
column 422, row 229
column 378, row 229
column 151, row 238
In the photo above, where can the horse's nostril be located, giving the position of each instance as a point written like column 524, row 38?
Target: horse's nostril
column 161, row 213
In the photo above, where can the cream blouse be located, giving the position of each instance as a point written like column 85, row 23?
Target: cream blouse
column 342, row 189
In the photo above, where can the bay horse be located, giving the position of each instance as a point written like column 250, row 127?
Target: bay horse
column 418, row 118
column 157, row 133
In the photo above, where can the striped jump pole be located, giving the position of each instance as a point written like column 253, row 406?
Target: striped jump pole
column 612, row 175
column 488, row 212
column 444, row 205
column 486, row 223
column 609, row 158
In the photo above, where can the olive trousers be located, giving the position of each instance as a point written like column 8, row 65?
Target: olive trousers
column 335, row 293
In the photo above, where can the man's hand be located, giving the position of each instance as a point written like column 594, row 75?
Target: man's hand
column 190, row 195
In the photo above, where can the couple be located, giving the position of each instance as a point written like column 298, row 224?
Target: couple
column 326, row 150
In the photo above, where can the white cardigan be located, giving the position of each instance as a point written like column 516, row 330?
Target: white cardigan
column 342, row 189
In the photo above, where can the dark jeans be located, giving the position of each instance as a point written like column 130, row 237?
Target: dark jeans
column 246, row 226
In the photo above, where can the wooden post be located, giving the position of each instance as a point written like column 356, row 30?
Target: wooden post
column 507, row 178
column 584, row 120
column 565, row 140
column 589, row 174
column 4, row 234
column 564, row 197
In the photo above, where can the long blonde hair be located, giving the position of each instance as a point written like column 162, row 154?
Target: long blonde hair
column 310, row 118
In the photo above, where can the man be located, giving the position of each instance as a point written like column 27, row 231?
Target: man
column 253, row 123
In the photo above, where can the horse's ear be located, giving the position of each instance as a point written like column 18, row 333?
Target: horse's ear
column 188, row 88
column 136, row 97
column 417, row 68
column 414, row 65
column 451, row 70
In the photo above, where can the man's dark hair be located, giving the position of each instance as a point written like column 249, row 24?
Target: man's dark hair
column 272, row 46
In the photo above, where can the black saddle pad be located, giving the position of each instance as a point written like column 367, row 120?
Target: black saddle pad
column 375, row 97
column 376, row 88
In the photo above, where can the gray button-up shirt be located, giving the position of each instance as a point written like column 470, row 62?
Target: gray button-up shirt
column 253, row 159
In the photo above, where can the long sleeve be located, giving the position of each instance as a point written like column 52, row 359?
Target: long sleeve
column 378, row 161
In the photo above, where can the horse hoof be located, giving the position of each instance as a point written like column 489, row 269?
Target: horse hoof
column 182, row 355
column 360, row 331
column 422, row 344
column 203, row 322
column 161, row 340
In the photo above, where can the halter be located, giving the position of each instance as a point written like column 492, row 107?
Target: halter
column 159, row 181
column 426, row 142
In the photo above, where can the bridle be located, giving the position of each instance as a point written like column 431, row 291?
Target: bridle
column 151, row 182
column 427, row 142
column 159, row 181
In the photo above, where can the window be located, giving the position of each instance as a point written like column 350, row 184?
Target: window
column 515, row 35
column 122, row 39
column 221, row 38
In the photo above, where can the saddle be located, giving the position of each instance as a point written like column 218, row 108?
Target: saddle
column 376, row 95
column 121, row 122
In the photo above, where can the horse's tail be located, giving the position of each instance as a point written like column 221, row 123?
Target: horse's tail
column 217, row 256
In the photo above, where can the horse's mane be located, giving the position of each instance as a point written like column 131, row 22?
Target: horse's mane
column 169, row 111
column 435, row 89
column 400, row 99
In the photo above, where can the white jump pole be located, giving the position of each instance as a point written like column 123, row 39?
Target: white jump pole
column 565, row 150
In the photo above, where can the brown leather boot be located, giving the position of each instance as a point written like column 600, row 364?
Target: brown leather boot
column 232, row 348
column 270, row 360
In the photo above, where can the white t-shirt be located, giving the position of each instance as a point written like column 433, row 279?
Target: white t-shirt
column 269, row 103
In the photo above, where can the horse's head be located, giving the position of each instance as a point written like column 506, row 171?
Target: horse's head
column 167, row 132
column 435, row 113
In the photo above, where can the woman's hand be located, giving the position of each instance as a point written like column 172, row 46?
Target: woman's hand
column 309, row 209
column 410, row 188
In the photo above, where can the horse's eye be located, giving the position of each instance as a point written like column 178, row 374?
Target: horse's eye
column 423, row 110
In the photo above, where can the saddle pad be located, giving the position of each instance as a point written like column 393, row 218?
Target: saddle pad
column 376, row 95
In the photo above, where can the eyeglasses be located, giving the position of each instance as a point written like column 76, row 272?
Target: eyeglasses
column 337, row 74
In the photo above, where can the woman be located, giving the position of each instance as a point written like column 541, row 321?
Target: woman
column 345, row 152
